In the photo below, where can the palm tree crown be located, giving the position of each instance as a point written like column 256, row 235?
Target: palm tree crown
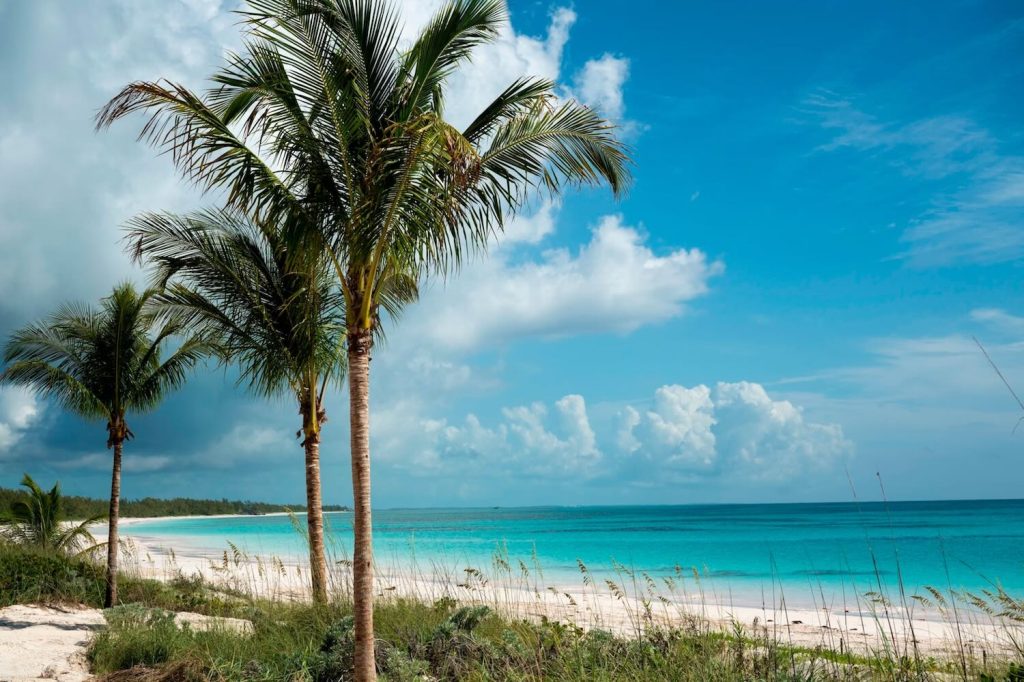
column 38, row 521
column 323, row 115
column 272, row 310
column 102, row 363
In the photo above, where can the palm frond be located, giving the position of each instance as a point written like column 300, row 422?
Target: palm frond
column 273, row 311
column 99, row 362
column 343, row 137
column 202, row 145
column 449, row 39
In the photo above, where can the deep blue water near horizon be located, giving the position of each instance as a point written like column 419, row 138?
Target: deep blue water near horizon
column 744, row 550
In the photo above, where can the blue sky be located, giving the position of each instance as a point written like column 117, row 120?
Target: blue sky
column 829, row 204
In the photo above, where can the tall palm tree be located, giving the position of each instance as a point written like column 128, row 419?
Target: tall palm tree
column 103, row 363
column 38, row 521
column 322, row 114
column 271, row 310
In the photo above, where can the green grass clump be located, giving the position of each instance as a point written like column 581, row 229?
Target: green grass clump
column 29, row 575
column 33, row 575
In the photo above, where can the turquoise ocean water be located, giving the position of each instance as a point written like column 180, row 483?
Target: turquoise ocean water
column 742, row 551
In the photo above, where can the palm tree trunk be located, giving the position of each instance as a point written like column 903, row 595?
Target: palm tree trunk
column 360, row 342
column 115, row 510
column 315, row 519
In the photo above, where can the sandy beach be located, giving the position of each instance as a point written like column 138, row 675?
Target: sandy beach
column 862, row 626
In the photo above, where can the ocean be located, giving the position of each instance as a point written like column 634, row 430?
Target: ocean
column 746, row 553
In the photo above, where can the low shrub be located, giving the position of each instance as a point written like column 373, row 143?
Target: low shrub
column 31, row 575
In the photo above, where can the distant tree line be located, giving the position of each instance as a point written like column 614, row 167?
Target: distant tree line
column 76, row 507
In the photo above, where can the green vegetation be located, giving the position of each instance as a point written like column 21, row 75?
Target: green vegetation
column 421, row 640
column 29, row 575
column 76, row 507
column 37, row 519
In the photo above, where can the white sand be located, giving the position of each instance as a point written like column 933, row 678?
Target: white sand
column 48, row 643
column 38, row 642
column 130, row 520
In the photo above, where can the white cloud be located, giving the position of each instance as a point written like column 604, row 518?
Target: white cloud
column 599, row 85
column 733, row 431
column 531, row 228
column 678, row 428
column 973, row 220
column 131, row 463
column 531, row 439
column 770, row 436
column 495, row 66
column 60, row 222
column 999, row 318
column 19, row 410
column 108, row 177
column 614, row 283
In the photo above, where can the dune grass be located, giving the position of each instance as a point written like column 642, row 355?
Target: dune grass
column 445, row 641
column 423, row 638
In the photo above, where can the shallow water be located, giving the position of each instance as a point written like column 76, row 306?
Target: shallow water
column 741, row 551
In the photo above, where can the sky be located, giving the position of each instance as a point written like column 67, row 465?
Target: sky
column 828, row 208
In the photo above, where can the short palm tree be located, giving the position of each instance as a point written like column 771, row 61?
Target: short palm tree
column 38, row 521
column 323, row 115
column 271, row 310
column 103, row 363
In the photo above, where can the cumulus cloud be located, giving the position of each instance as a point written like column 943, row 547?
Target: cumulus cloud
column 530, row 228
column 19, row 410
column 730, row 431
column 770, row 436
column 513, row 55
column 599, row 84
column 615, row 283
column 103, row 179
column 677, row 429
column 735, row 427
column 530, row 440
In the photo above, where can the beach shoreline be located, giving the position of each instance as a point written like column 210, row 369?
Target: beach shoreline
column 600, row 602
column 133, row 520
